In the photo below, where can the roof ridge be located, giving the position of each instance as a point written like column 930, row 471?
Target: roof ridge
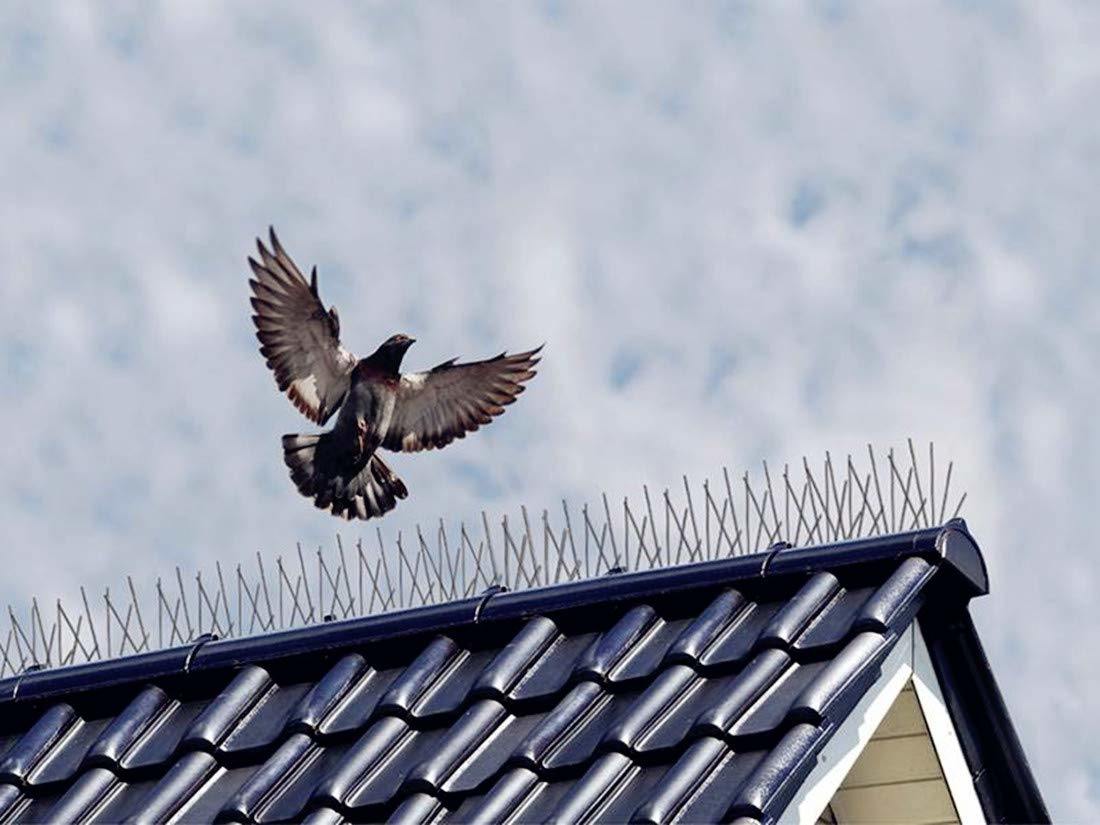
column 733, row 518
column 950, row 547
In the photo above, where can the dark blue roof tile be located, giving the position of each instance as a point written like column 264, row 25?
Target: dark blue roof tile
column 843, row 680
column 35, row 746
column 609, row 791
column 373, row 770
column 722, row 613
column 51, row 751
column 155, row 744
column 797, row 614
column 780, row 773
column 550, row 675
column 702, row 702
column 364, row 761
column 834, row 623
column 331, row 689
column 753, row 682
column 280, row 788
column 11, row 801
column 615, row 648
column 230, row 710
column 324, row 816
column 639, row 729
column 775, row 712
column 570, row 733
column 134, row 727
column 418, row 809
column 893, row 604
column 178, row 789
column 87, row 796
column 708, row 764
column 518, row 660
column 507, row 801
column 470, row 751
column 343, row 699
column 266, row 721
column 724, row 644
column 437, row 681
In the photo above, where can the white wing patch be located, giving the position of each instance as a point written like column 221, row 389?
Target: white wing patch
column 307, row 389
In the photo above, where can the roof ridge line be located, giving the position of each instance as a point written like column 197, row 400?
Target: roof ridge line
column 949, row 545
column 733, row 517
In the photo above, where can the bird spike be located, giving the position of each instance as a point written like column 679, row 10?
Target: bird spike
column 836, row 500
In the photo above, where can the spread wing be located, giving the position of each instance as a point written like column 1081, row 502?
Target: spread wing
column 435, row 407
column 299, row 339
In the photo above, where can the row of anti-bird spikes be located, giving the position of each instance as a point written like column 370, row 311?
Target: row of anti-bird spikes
column 799, row 505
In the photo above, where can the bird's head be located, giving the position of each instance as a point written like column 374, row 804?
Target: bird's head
column 399, row 343
column 392, row 351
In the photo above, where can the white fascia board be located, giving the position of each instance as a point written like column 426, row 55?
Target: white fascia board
column 843, row 749
column 944, row 738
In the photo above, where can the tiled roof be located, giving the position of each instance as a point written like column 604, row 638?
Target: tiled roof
column 699, row 693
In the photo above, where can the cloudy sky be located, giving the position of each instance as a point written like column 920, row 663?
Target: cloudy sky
column 746, row 231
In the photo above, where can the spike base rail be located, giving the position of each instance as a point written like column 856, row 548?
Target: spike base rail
column 800, row 507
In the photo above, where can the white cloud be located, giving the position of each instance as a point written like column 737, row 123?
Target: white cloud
column 746, row 231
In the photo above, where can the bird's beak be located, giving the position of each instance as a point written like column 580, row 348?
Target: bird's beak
column 411, row 341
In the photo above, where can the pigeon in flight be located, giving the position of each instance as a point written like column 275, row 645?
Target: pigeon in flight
column 379, row 406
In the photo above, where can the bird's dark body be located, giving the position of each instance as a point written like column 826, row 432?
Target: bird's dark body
column 342, row 464
column 367, row 410
column 376, row 405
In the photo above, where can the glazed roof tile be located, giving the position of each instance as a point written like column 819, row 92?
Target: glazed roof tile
column 694, row 694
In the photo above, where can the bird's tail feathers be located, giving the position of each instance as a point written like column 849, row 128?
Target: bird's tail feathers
column 366, row 491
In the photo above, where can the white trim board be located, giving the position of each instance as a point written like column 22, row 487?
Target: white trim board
column 908, row 663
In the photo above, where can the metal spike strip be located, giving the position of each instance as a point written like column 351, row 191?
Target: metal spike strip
column 799, row 506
